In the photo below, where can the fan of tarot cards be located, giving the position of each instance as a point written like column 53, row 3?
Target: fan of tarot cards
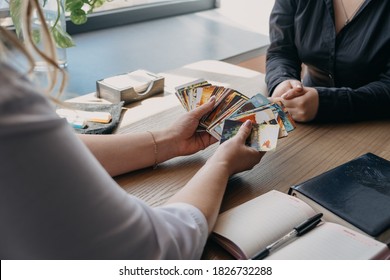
column 271, row 121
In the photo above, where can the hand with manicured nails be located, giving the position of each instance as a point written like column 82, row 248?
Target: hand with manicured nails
column 235, row 155
column 187, row 139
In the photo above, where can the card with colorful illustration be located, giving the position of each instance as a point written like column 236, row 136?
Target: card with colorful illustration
column 288, row 121
column 270, row 120
column 265, row 114
column 281, row 114
column 263, row 136
column 225, row 105
column 254, row 102
column 231, row 128
column 268, row 137
column 256, row 116
column 205, row 93
column 183, row 92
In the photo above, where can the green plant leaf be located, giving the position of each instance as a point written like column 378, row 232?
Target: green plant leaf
column 94, row 4
column 98, row 3
column 78, row 16
column 62, row 39
column 15, row 7
column 71, row 5
column 36, row 36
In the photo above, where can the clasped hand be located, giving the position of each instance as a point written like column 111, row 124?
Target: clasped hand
column 301, row 102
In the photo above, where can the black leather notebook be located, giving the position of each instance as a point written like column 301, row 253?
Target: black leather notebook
column 357, row 191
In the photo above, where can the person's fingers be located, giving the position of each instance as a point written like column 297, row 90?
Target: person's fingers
column 296, row 85
column 288, row 104
column 202, row 110
column 207, row 139
column 275, row 99
column 292, row 93
column 278, row 93
column 244, row 131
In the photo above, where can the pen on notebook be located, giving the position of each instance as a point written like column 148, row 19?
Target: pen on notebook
column 299, row 230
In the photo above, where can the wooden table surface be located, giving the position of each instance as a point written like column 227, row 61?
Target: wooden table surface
column 309, row 150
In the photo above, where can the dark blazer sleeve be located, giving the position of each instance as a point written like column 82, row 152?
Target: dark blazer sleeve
column 371, row 101
column 282, row 58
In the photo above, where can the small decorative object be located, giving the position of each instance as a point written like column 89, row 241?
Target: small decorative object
column 130, row 87
column 85, row 125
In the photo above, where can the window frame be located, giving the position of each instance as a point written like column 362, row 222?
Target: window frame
column 122, row 16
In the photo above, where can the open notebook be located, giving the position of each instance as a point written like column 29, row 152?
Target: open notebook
column 250, row 227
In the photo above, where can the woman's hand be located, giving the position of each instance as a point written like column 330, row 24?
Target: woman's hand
column 234, row 155
column 294, row 86
column 303, row 105
column 186, row 139
column 205, row 190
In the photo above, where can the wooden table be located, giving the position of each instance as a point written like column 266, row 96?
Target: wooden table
column 309, row 150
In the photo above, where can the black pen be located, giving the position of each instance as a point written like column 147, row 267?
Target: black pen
column 299, row 230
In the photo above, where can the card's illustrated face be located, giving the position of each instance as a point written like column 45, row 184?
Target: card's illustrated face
column 263, row 137
column 230, row 128
column 230, row 99
column 254, row 102
column 270, row 121
column 260, row 116
column 268, row 137
column 204, row 94
column 183, row 92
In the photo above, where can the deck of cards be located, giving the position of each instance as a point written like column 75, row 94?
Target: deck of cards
column 271, row 121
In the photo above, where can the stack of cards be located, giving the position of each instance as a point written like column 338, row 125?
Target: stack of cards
column 270, row 120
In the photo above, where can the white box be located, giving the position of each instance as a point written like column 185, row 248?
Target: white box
column 130, row 87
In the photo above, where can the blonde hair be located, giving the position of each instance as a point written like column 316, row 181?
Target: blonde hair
column 30, row 49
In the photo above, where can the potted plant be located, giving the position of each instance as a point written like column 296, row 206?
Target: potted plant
column 54, row 12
